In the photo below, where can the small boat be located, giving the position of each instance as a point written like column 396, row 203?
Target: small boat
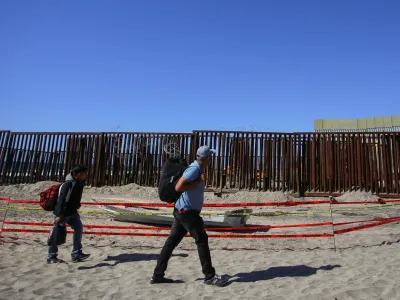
column 145, row 216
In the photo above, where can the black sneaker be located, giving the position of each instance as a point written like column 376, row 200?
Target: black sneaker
column 80, row 257
column 161, row 280
column 53, row 260
column 217, row 280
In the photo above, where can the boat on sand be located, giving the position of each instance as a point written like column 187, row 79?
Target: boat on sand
column 153, row 216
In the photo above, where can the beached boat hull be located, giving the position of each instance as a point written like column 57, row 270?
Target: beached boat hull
column 227, row 220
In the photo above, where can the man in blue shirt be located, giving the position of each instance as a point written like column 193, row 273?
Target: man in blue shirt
column 187, row 219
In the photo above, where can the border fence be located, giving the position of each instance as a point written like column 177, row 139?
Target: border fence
column 320, row 163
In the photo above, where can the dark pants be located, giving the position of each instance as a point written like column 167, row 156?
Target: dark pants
column 191, row 222
column 75, row 222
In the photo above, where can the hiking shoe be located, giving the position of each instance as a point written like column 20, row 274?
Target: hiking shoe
column 161, row 280
column 79, row 257
column 53, row 260
column 217, row 280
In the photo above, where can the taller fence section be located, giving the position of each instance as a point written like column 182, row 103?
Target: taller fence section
column 321, row 163
column 340, row 162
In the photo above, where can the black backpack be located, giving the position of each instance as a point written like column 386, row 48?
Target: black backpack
column 171, row 172
column 57, row 235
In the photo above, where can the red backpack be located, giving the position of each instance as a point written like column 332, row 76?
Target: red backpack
column 49, row 197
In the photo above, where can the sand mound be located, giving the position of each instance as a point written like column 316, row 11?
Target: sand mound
column 140, row 193
column 134, row 191
column 357, row 196
column 131, row 190
column 245, row 196
column 31, row 191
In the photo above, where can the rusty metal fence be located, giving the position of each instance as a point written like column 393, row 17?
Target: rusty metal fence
column 112, row 158
column 304, row 163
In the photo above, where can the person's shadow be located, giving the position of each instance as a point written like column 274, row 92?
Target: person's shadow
column 124, row 258
column 274, row 272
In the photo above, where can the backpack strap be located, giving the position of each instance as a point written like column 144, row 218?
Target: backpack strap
column 68, row 194
column 59, row 190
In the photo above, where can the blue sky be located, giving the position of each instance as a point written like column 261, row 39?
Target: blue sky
column 179, row 65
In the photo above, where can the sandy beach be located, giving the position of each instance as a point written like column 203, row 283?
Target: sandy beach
column 365, row 264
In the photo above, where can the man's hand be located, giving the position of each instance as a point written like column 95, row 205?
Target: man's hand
column 57, row 220
column 203, row 178
column 183, row 185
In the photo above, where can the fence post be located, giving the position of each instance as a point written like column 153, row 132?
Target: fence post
column 195, row 145
column 3, row 153
column 97, row 160
column 101, row 168
column 222, row 162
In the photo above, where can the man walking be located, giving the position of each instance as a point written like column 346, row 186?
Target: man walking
column 187, row 219
column 66, row 212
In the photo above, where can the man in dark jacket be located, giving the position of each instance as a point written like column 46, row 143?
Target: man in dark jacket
column 66, row 212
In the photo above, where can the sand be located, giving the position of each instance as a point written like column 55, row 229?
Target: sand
column 365, row 265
